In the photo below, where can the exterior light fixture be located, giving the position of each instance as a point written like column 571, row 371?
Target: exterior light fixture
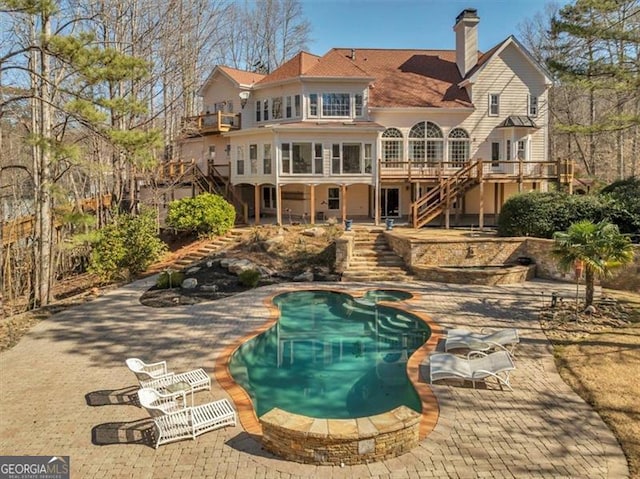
column 244, row 96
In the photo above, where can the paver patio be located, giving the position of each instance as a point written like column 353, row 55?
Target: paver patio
column 66, row 391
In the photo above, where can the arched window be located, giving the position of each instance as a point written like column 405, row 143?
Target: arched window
column 435, row 144
column 392, row 146
column 459, row 147
column 416, row 144
column 426, row 144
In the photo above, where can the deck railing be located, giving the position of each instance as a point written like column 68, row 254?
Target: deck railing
column 217, row 122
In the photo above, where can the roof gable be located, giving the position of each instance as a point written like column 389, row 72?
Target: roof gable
column 237, row 77
column 485, row 59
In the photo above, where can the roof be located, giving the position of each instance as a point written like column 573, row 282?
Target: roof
column 293, row 68
column 242, row 77
column 517, row 121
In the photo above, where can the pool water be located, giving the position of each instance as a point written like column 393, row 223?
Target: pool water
column 331, row 356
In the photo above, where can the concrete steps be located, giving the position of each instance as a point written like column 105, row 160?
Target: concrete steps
column 374, row 260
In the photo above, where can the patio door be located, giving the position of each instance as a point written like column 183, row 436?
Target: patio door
column 390, row 202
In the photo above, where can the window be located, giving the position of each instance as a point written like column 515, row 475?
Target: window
column 426, row 143
column 494, row 104
column 458, row 147
column 351, row 158
column 266, row 159
column 335, row 159
column 288, row 107
column 318, row 159
column 302, row 158
column 533, row 106
column 346, row 158
column 229, row 106
column 336, row 104
column 212, row 152
column 333, row 198
column 508, row 152
column 435, row 144
column 276, row 108
column 495, row 154
column 296, row 106
column 219, row 106
column 269, row 197
column 253, row 159
column 522, row 150
column 258, row 110
column 240, row 161
column 392, row 146
column 313, row 104
column 358, row 104
column 368, row 159
column 265, row 109
column 286, row 158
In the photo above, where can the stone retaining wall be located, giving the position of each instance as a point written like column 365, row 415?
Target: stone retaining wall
column 486, row 275
column 340, row 441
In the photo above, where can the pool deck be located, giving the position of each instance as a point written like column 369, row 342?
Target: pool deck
column 65, row 391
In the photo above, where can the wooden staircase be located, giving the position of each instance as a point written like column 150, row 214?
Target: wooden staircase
column 373, row 259
column 436, row 201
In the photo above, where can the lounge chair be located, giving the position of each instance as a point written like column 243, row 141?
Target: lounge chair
column 193, row 421
column 504, row 339
column 475, row 367
column 156, row 376
column 158, row 404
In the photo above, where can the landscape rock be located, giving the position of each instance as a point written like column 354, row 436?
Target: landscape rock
column 189, row 283
column 307, row 276
column 224, row 262
column 209, row 287
column 314, row 232
column 239, row 265
column 193, row 269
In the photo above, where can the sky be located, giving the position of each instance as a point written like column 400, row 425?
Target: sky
column 420, row 24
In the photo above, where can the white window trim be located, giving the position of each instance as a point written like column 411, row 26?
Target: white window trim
column 537, row 109
column 496, row 95
column 313, row 159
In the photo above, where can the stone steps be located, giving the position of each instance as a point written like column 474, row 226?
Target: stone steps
column 217, row 244
column 374, row 260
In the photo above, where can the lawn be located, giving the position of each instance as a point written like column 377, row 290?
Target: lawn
column 601, row 362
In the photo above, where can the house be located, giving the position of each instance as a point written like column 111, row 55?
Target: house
column 417, row 135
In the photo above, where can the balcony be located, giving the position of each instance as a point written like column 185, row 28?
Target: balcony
column 210, row 123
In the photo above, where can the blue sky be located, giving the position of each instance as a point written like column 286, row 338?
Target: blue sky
column 424, row 24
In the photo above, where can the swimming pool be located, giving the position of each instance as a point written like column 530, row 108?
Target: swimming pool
column 331, row 356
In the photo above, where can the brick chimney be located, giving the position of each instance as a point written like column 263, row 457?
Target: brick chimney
column 466, row 29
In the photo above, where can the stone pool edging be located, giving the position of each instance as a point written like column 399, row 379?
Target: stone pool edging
column 340, row 441
column 425, row 422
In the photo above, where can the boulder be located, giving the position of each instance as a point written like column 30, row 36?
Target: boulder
column 307, row 276
column 193, row 269
column 209, row 287
column 189, row 283
column 239, row 265
column 224, row 262
column 314, row 232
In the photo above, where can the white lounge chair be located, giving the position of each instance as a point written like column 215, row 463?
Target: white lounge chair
column 193, row 421
column 504, row 339
column 158, row 404
column 475, row 367
column 151, row 376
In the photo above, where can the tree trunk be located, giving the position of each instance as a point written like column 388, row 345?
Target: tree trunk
column 589, row 279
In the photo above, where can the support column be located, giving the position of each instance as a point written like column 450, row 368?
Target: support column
column 312, row 208
column 448, row 207
column 344, row 202
column 279, row 205
column 496, row 198
column 256, row 204
column 481, row 212
column 376, row 196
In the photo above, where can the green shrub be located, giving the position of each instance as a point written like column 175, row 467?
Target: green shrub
column 204, row 214
column 169, row 279
column 542, row 214
column 128, row 245
column 249, row 277
column 625, row 211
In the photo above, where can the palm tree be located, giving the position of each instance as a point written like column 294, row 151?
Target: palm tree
column 599, row 247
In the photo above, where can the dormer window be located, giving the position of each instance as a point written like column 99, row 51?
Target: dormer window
column 359, row 103
column 313, row 104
